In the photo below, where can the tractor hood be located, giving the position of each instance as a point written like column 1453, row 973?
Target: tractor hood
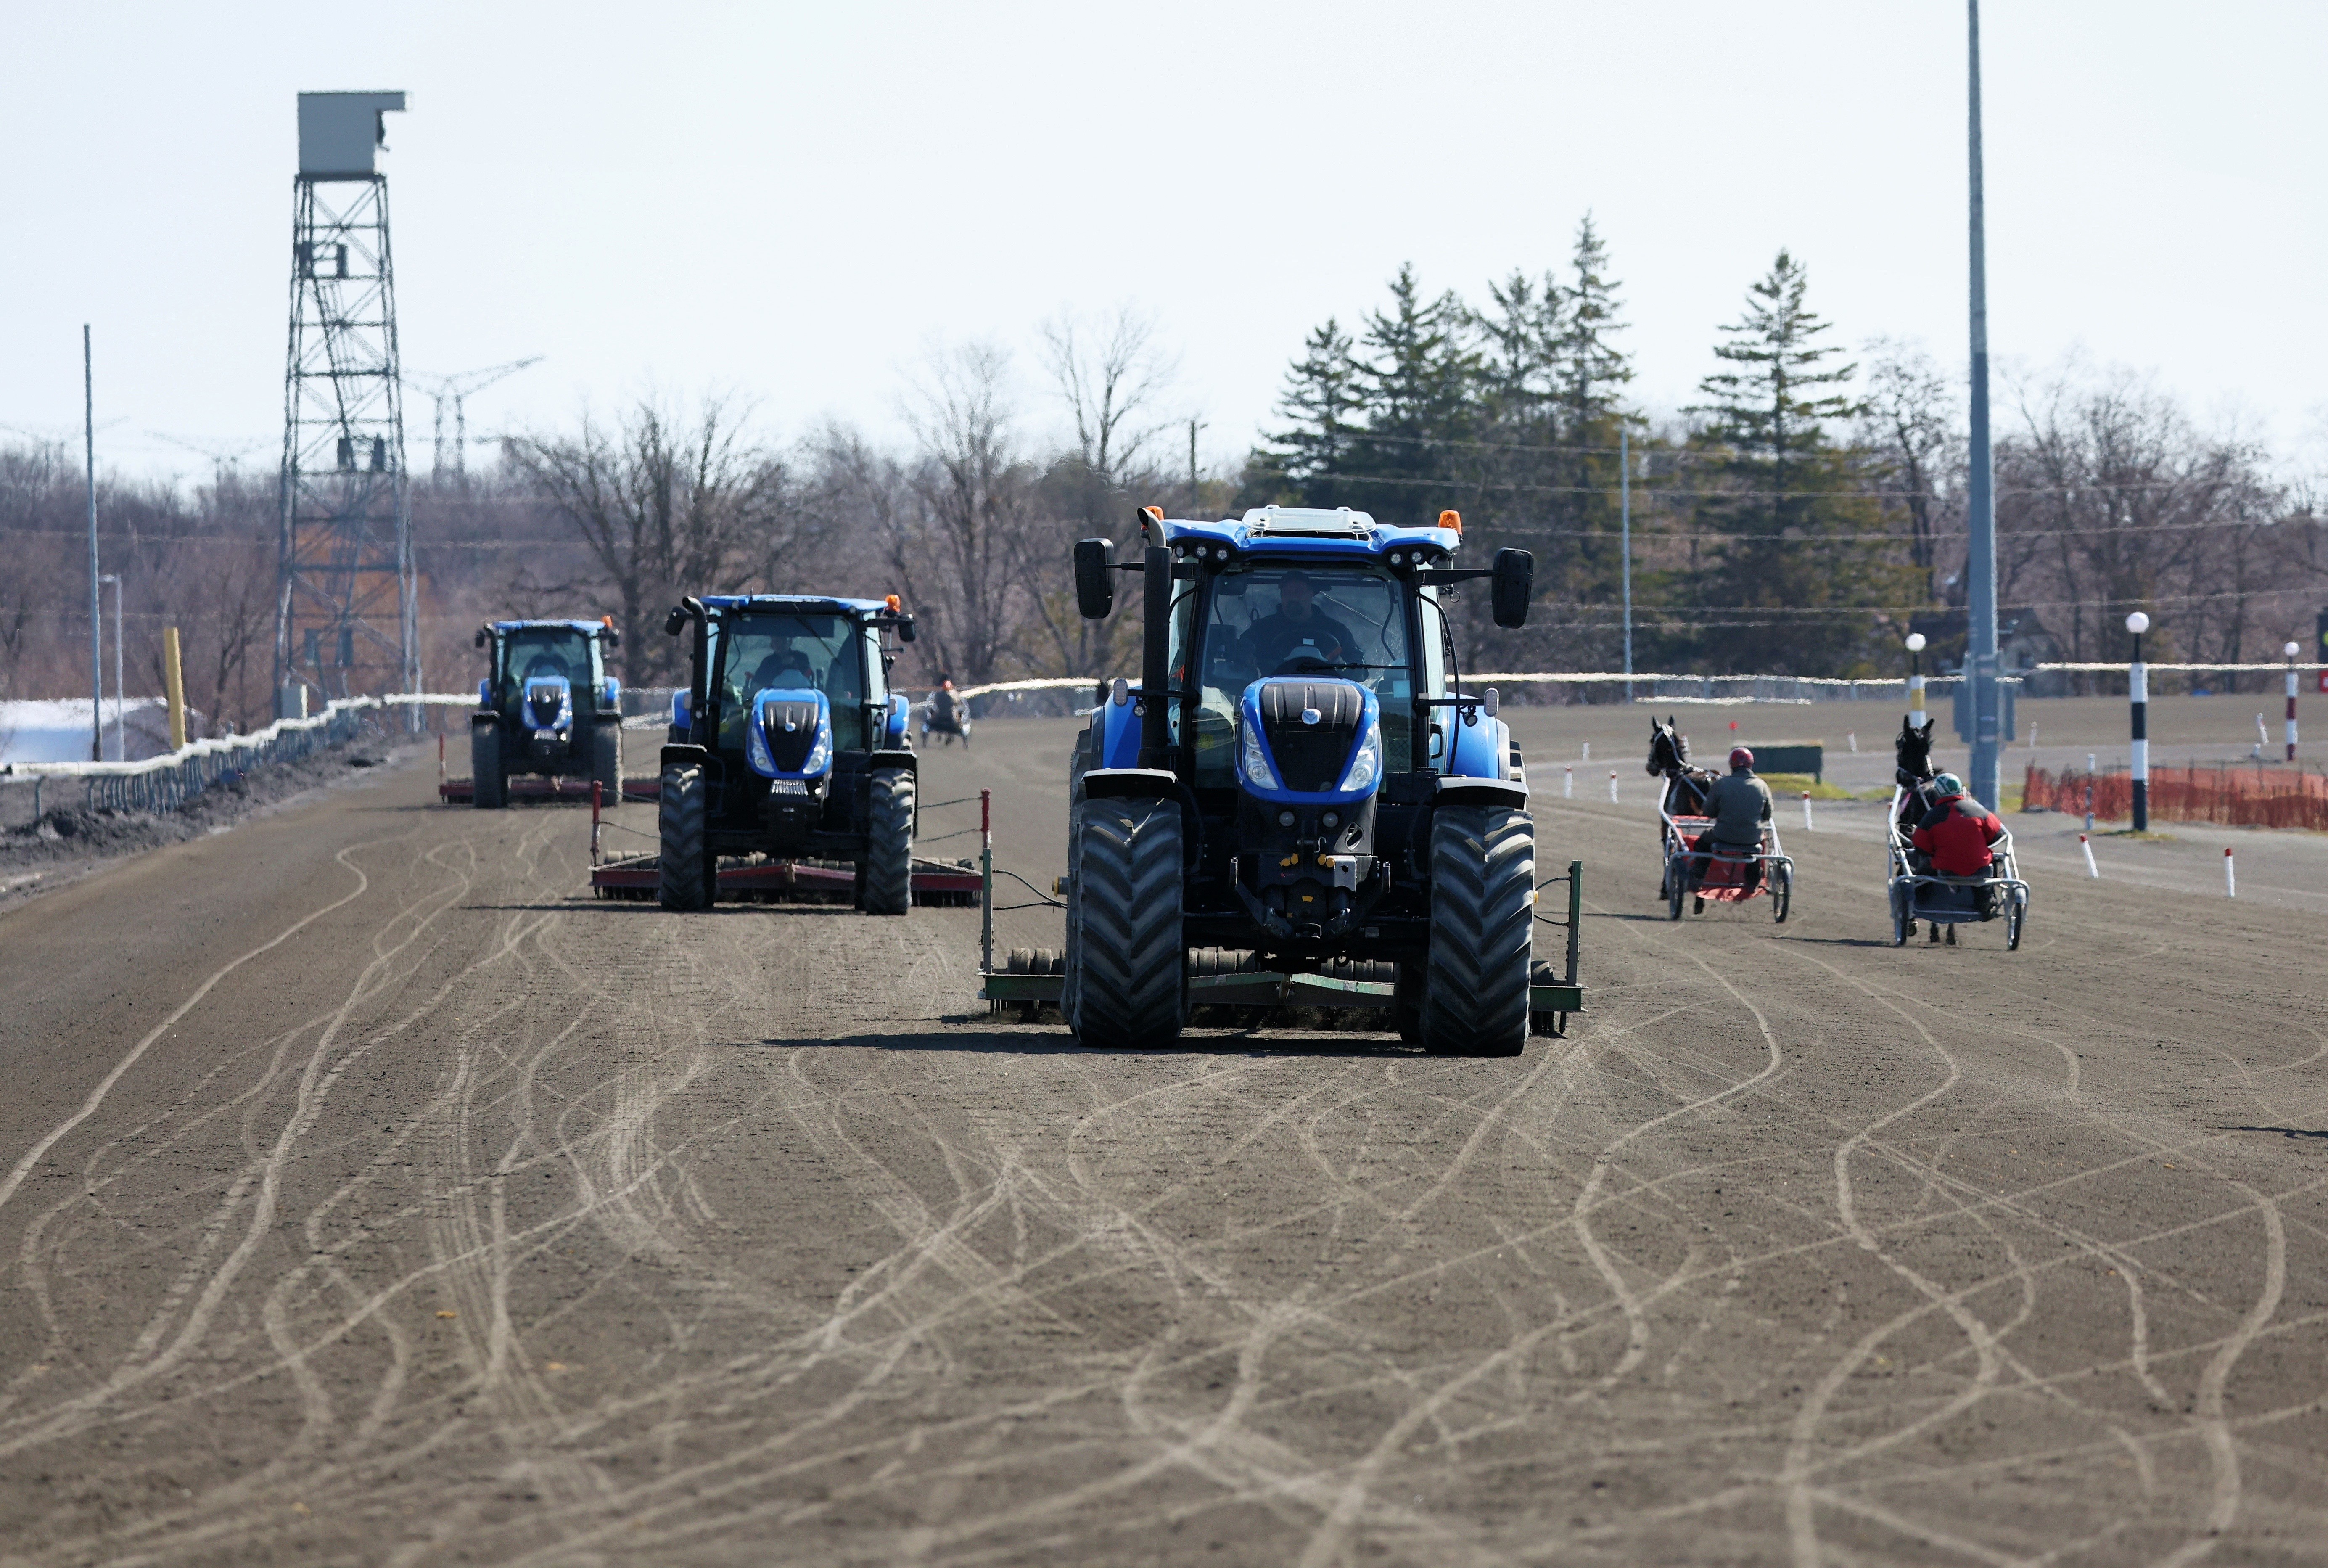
column 548, row 707
column 1303, row 740
column 791, row 734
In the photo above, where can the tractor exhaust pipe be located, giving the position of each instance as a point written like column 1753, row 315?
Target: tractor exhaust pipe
column 1155, row 654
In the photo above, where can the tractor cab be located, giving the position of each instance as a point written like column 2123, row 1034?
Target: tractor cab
column 547, row 706
column 787, row 741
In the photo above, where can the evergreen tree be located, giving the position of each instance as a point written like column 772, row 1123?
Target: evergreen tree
column 1325, row 398
column 1590, row 373
column 1420, row 385
column 1787, row 507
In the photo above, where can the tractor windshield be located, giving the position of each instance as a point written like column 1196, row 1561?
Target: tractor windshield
column 529, row 652
column 813, row 650
column 1336, row 622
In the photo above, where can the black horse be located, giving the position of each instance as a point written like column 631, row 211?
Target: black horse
column 1913, row 772
column 1685, row 787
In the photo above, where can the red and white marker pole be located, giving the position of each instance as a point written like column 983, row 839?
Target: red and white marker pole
column 2092, row 870
column 1567, row 784
column 2291, row 651
column 2230, row 877
column 1807, row 826
column 1612, row 787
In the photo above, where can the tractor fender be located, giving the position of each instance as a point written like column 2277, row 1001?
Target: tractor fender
column 482, row 718
column 898, row 759
column 685, row 756
column 1481, row 792
column 1482, row 749
column 1099, row 783
column 1118, row 730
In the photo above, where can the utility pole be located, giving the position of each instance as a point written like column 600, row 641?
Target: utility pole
column 95, row 626
column 1980, row 563
column 1625, row 526
column 1195, row 497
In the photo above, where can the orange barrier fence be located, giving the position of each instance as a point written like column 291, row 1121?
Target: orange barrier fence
column 2235, row 796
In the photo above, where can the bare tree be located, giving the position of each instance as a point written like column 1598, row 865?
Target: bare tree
column 665, row 505
column 1109, row 376
column 1909, row 431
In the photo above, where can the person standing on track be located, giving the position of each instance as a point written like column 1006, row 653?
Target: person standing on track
column 1957, row 833
column 1740, row 806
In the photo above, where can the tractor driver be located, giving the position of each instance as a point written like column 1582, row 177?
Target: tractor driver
column 785, row 667
column 1299, row 630
column 546, row 667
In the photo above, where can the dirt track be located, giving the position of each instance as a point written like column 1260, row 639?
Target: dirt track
column 376, row 1197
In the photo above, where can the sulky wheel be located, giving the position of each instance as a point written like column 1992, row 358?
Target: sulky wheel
column 1782, row 892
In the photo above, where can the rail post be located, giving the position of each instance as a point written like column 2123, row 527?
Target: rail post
column 1575, row 908
column 2291, row 651
column 597, row 799
column 2137, row 690
column 986, row 881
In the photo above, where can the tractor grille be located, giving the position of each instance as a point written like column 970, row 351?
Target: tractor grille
column 1311, row 756
column 789, row 747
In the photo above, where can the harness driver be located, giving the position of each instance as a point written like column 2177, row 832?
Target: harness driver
column 1740, row 805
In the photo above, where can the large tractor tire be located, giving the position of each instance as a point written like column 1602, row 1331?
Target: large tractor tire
column 1475, row 987
column 606, row 761
column 1126, row 980
column 889, row 843
column 686, row 879
column 488, row 784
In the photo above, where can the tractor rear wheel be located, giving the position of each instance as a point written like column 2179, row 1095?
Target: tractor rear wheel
column 1126, row 978
column 1475, row 987
column 488, row 785
column 606, row 760
column 686, row 879
column 889, row 843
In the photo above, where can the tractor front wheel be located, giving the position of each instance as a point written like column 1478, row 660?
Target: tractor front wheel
column 1126, row 985
column 488, row 785
column 1475, row 987
column 889, row 843
column 685, row 880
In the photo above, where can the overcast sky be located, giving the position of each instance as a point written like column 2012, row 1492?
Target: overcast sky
column 795, row 202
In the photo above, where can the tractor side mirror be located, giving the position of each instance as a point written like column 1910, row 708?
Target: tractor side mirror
column 905, row 632
column 1094, row 588
column 614, row 638
column 480, row 636
column 673, row 623
column 1509, row 586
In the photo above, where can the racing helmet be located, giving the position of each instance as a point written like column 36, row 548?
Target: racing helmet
column 1946, row 786
column 1740, row 758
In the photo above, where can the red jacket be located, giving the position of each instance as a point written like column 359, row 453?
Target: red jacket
column 1957, row 835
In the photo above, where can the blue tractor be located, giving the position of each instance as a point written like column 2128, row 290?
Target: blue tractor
column 1300, row 775
column 788, row 743
column 547, row 707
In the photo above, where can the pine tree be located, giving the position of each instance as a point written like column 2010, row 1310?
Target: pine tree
column 1794, row 522
column 1325, row 397
column 1420, row 383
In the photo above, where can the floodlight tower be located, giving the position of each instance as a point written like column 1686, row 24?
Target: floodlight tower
column 345, row 618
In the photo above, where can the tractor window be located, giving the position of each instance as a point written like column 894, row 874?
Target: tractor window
column 1338, row 622
column 531, row 651
column 758, row 652
column 1436, row 667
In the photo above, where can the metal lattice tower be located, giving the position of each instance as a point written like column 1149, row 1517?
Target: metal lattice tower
column 346, row 619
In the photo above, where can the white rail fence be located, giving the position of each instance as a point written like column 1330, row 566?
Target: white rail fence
column 165, row 782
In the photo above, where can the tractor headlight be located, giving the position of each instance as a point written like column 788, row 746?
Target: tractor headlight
column 821, row 754
column 1366, row 762
column 1252, row 761
column 1285, row 819
column 756, row 745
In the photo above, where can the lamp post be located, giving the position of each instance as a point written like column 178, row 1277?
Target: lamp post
column 2137, row 691
column 2291, row 650
column 1915, row 680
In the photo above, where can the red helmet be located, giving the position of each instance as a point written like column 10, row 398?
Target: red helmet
column 1740, row 758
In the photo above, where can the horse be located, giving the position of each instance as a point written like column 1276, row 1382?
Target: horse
column 1912, row 770
column 1685, row 787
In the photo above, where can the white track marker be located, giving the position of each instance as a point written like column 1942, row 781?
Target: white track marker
column 2230, row 877
column 1568, row 784
column 1612, row 787
column 1807, row 826
column 2092, row 870
column 1588, row 753
column 2263, row 735
column 1852, row 736
column 2033, row 737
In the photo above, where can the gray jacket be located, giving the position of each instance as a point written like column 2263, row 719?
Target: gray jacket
column 1739, row 804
